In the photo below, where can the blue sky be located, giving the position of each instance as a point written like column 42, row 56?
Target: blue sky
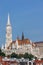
column 25, row 16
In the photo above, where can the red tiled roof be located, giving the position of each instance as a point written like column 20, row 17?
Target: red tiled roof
column 20, row 42
column 38, row 61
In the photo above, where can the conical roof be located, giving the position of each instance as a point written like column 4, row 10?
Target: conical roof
column 8, row 21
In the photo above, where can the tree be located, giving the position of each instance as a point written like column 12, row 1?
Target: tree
column 13, row 55
column 30, row 56
column 26, row 55
column 2, row 53
column 41, row 58
column 20, row 55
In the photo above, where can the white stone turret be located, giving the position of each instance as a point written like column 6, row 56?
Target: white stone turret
column 8, row 22
column 16, row 44
column 2, row 46
column 30, row 41
column 8, row 32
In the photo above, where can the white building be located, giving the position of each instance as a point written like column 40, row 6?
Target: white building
column 19, row 46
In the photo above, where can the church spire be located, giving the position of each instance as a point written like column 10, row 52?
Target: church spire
column 22, row 36
column 8, row 32
column 8, row 21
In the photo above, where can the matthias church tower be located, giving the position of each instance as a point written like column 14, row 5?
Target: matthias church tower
column 8, row 33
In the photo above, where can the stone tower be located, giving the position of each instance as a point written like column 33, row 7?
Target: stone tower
column 8, row 33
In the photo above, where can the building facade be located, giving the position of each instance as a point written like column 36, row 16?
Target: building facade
column 40, row 46
column 19, row 46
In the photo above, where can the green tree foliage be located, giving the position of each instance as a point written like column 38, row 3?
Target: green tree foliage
column 26, row 55
column 30, row 56
column 41, row 58
column 20, row 55
column 1, row 53
column 13, row 55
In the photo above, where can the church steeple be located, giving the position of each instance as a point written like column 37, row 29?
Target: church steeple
column 22, row 36
column 8, row 21
column 8, row 32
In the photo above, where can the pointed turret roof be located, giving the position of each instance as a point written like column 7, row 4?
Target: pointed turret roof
column 8, row 21
column 22, row 36
column 2, row 46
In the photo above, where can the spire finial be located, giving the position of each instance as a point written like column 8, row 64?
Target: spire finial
column 22, row 36
column 8, row 22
